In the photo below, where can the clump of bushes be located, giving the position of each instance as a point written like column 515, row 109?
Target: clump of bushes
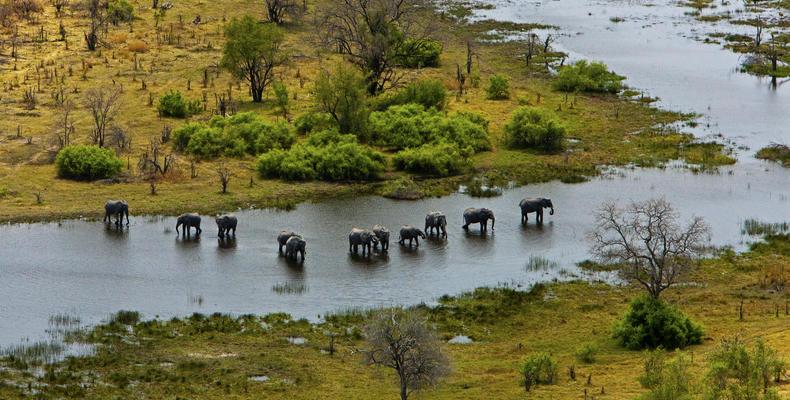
column 665, row 380
column 498, row 87
column 327, row 156
column 531, row 127
column 137, row 46
column 584, row 77
column 411, row 125
column 586, row 353
column 427, row 92
column 538, row 369
column 174, row 105
column 441, row 159
column 245, row 133
column 87, row 163
column 422, row 53
column 120, row 11
column 313, row 121
column 651, row 322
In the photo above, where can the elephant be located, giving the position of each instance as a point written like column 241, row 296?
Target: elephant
column 282, row 238
column 226, row 223
column 411, row 233
column 383, row 235
column 478, row 215
column 116, row 208
column 188, row 221
column 536, row 205
column 361, row 237
column 436, row 220
column 294, row 246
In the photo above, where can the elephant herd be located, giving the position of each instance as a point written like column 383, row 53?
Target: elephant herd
column 369, row 240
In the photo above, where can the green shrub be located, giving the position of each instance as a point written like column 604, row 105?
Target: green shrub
column 441, row 159
column 313, row 121
column 665, row 380
column 538, row 369
column 245, row 133
column 87, row 162
column 120, row 11
column 584, row 77
column 410, row 125
column 651, row 322
column 174, row 105
column 498, row 87
column 586, row 353
column 343, row 95
column 421, row 53
column 281, row 97
column 341, row 158
column 428, row 92
column 531, row 127
column 736, row 372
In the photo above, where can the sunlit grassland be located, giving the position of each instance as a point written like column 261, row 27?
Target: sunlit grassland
column 604, row 129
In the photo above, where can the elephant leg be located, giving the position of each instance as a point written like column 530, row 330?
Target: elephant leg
column 417, row 241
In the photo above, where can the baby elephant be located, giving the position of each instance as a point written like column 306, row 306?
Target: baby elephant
column 383, row 235
column 188, row 221
column 225, row 224
column 436, row 220
column 282, row 238
column 295, row 246
column 411, row 233
column 361, row 237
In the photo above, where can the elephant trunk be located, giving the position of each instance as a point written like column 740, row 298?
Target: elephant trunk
column 492, row 222
column 551, row 212
column 177, row 225
column 127, row 216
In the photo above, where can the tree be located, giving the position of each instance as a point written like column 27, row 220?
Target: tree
column 98, row 15
column 251, row 52
column 277, row 10
column 341, row 94
column 224, row 173
column 401, row 340
column 374, row 34
column 647, row 241
column 64, row 125
column 738, row 373
column 103, row 104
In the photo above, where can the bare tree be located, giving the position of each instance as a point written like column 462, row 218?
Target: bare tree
column 64, row 125
column 374, row 34
column 277, row 10
column 119, row 137
column 103, row 104
column 98, row 15
column 401, row 340
column 648, row 243
column 153, row 163
column 224, row 173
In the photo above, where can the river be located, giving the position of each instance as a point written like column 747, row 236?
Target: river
column 86, row 269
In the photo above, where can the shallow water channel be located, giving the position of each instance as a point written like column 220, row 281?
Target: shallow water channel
column 82, row 268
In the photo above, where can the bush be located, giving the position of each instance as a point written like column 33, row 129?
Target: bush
column 173, row 105
column 410, row 125
column 312, row 121
column 343, row 95
column 137, row 46
column 665, row 380
column 441, row 159
column 498, row 87
column 428, row 93
column 281, row 97
column 749, row 373
column 341, row 158
column 586, row 353
column 531, row 127
column 422, row 53
column 651, row 322
column 538, row 369
column 120, row 11
column 584, row 77
column 233, row 136
column 87, row 162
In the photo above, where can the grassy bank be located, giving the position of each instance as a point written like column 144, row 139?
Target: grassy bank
column 179, row 55
column 227, row 357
